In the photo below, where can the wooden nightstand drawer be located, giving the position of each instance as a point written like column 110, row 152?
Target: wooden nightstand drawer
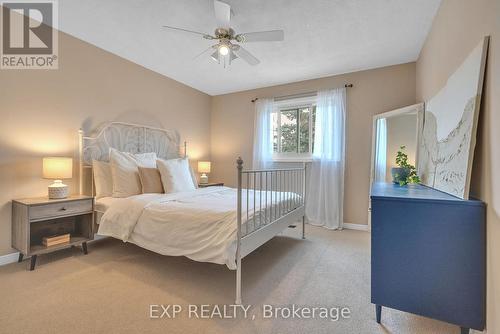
column 38, row 212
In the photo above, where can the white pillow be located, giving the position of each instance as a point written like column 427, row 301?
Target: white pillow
column 124, row 171
column 103, row 180
column 175, row 175
column 193, row 176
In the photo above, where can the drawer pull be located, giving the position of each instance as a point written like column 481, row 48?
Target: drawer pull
column 62, row 209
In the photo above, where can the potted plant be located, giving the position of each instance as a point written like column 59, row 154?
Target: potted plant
column 404, row 173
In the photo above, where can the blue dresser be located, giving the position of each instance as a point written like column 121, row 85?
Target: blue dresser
column 428, row 254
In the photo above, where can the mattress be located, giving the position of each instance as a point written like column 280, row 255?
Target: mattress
column 199, row 224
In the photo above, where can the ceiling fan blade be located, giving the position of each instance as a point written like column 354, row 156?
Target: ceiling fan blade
column 261, row 36
column 245, row 55
column 222, row 14
column 206, row 36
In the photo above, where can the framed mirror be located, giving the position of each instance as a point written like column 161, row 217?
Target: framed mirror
column 391, row 130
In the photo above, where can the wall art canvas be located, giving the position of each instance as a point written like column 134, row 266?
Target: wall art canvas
column 447, row 134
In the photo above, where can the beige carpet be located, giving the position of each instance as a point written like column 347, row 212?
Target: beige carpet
column 110, row 289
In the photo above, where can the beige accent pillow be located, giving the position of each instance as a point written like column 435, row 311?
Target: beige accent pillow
column 103, row 180
column 125, row 173
column 150, row 180
column 175, row 175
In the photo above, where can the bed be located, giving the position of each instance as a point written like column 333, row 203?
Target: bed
column 215, row 224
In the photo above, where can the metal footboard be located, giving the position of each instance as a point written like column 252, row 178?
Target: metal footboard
column 268, row 201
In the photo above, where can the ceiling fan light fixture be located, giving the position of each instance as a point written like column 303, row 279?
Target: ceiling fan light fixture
column 215, row 56
column 223, row 50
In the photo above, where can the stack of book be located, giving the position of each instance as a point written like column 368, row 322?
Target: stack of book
column 56, row 240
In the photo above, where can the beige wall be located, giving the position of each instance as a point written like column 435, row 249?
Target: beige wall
column 41, row 112
column 401, row 130
column 374, row 91
column 457, row 29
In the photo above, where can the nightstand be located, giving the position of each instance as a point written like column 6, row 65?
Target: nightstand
column 35, row 218
column 205, row 185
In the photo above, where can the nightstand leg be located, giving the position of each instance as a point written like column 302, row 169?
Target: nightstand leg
column 84, row 248
column 378, row 311
column 33, row 262
column 20, row 257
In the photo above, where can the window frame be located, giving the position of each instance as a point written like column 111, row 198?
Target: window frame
column 309, row 102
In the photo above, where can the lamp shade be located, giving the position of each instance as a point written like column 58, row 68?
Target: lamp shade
column 57, row 168
column 204, row 166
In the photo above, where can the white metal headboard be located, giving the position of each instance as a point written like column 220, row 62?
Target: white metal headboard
column 126, row 137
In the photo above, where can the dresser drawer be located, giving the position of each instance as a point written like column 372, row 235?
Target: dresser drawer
column 60, row 209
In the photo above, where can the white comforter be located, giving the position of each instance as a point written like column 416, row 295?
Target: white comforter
column 199, row 224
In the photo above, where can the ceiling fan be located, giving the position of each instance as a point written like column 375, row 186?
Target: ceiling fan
column 226, row 50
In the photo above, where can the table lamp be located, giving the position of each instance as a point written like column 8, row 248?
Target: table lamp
column 57, row 168
column 203, row 168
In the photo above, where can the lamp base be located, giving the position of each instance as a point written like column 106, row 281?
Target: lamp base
column 203, row 179
column 58, row 190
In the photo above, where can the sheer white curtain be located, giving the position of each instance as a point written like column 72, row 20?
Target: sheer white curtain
column 263, row 134
column 380, row 150
column 325, row 195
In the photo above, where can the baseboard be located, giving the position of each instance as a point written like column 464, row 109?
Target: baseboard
column 9, row 258
column 358, row 227
column 13, row 257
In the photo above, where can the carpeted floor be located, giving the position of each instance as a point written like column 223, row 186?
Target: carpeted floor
column 110, row 290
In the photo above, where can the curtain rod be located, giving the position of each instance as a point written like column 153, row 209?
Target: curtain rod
column 308, row 94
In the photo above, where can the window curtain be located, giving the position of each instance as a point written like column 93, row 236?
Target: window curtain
column 263, row 134
column 380, row 150
column 325, row 195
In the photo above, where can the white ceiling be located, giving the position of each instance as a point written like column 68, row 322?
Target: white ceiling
column 322, row 37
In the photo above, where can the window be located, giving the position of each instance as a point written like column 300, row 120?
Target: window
column 293, row 131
